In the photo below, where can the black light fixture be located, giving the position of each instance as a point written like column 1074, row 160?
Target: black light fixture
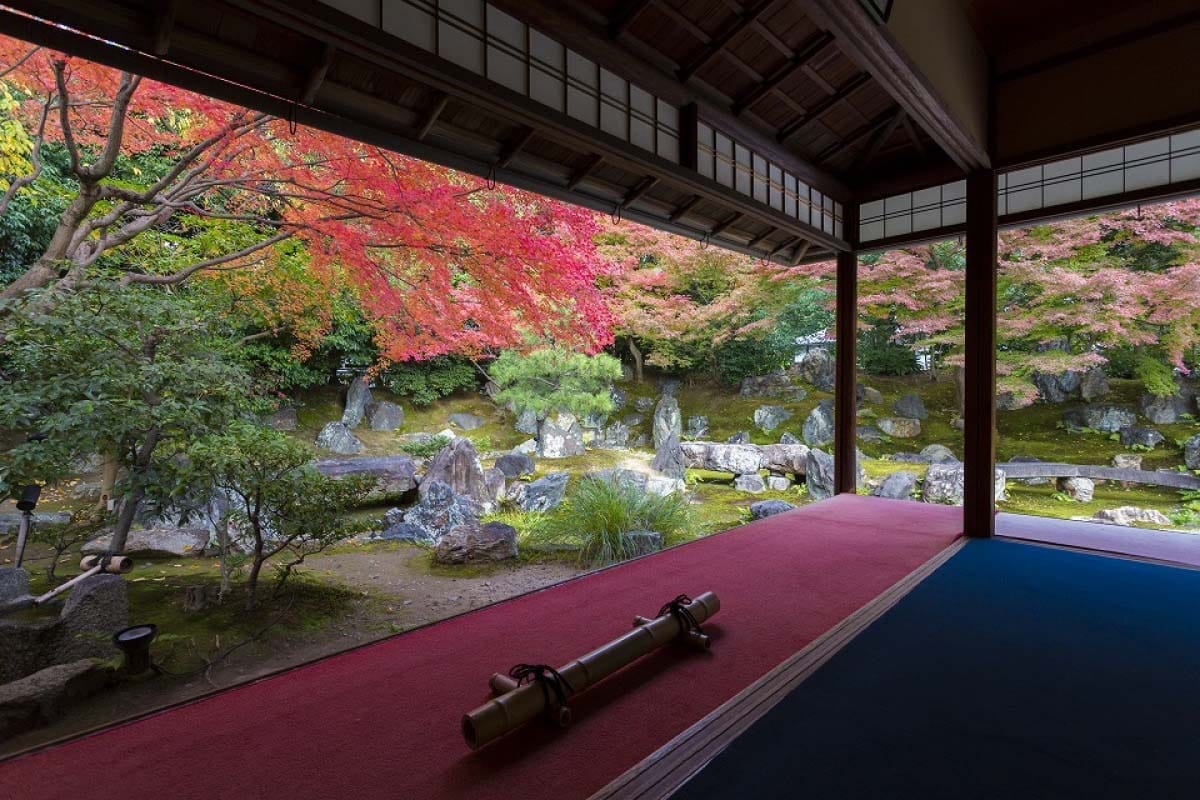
column 879, row 10
column 134, row 642
column 29, row 497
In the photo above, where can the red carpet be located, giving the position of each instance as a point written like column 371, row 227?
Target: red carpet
column 383, row 721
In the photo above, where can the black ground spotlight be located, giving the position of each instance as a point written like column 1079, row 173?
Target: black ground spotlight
column 134, row 642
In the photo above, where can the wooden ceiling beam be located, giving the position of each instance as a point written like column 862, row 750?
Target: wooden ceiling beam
column 728, row 34
column 877, row 140
column 786, row 243
column 680, row 212
column 316, row 76
column 164, row 23
column 837, row 148
column 626, row 15
column 797, row 124
column 585, row 169
column 431, row 116
column 762, row 237
column 723, row 226
column 807, row 52
column 875, row 50
column 637, row 192
column 800, row 252
column 515, row 146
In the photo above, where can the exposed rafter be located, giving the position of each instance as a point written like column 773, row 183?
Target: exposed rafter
column 721, row 227
column 626, row 15
column 851, row 86
column 316, row 76
column 637, row 192
column 807, row 52
column 800, row 252
column 877, row 140
column 164, row 23
column 512, row 148
column 728, row 34
column 762, row 237
column 587, row 168
column 680, row 212
column 857, row 135
column 431, row 116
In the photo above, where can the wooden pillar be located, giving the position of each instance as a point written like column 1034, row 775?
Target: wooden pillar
column 979, row 397
column 845, row 444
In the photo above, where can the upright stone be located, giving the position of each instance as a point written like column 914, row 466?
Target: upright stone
column 385, row 416
column 768, row 418
column 457, row 466
column 337, row 438
column 669, row 459
column 816, row 367
column 818, row 474
column 560, row 437
column 1094, row 385
column 818, row 427
column 358, row 397
column 667, row 420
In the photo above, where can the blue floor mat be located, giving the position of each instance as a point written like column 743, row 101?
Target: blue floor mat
column 1013, row 671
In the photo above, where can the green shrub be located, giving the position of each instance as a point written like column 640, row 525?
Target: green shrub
column 880, row 354
column 422, row 382
column 426, row 448
column 595, row 519
column 553, row 379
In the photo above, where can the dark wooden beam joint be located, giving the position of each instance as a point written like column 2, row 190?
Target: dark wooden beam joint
column 721, row 227
column 683, row 209
column 316, row 76
column 845, row 400
column 431, row 116
column 587, row 168
column 762, row 237
column 512, row 148
column 979, row 379
column 727, row 35
column 807, row 52
column 636, row 193
column 164, row 25
column 800, row 252
column 797, row 124
column 626, row 15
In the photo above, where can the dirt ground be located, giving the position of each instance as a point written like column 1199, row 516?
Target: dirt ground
column 399, row 592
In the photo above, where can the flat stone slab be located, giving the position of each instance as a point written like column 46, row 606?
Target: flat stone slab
column 395, row 473
column 36, row 699
column 1171, row 479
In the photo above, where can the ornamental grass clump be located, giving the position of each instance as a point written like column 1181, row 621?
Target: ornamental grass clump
column 596, row 519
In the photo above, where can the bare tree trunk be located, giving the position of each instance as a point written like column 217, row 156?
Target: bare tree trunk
column 141, row 466
column 637, row 360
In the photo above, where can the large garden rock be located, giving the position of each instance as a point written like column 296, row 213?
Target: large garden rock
column 1165, row 410
column 440, row 509
column 14, row 583
column 697, row 427
column 669, row 460
column 1132, row 515
column 619, row 398
column 911, row 406
column 787, row 458
column 944, row 484
column 1057, row 387
column 818, row 427
column 285, row 419
column 385, row 416
column 773, row 384
column 769, row 508
column 1140, row 436
column 613, row 437
column 1079, row 489
column 393, row 474
column 1093, row 385
column 735, row 458
column 468, row 422
column 1107, row 417
column 496, row 482
column 527, row 422
column 40, row 698
column 768, row 418
column 1127, row 460
column 545, row 493
column 515, row 465
column 358, row 397
column 938, row 454
column 457, row 466
column 741, row 437
column 817, row 368
column 897, row 486
column 667, row 420
column 337, row 438
column 1012, row 401
column 560, row 437
column 642, row 543
column 779, row 483
column 473, row 542
column 866, row 394
column 900, row 427
column 818, row 474
column 752, row 483
column 1191, row 452
column 405, row 532
column 157, row 542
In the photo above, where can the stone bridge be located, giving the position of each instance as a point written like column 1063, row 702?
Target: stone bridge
column 1036, row 469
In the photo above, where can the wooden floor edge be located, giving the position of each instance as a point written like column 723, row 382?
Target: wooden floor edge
column 661, row 773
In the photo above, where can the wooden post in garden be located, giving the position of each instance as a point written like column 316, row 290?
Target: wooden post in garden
column 979, row 412
column 845, row 426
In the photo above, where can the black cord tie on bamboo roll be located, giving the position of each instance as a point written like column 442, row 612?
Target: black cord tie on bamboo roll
column 548, row 677
column 678, row 608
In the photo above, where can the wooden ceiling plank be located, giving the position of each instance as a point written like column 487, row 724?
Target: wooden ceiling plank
column 728, row 34
column 807, row 52
column 851, row 86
